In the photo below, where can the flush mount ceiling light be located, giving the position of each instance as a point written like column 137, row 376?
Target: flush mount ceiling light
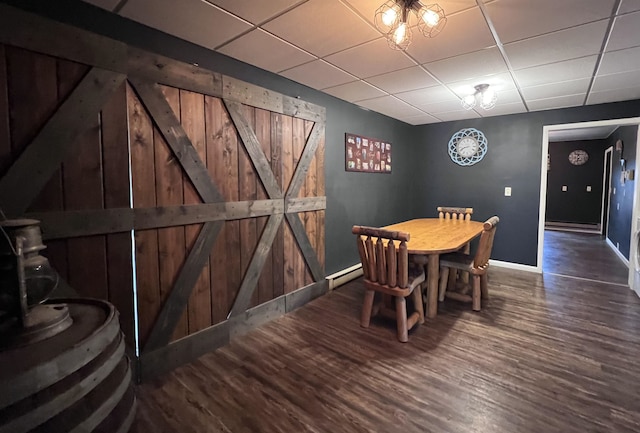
column 484, row 97
column 393, row 19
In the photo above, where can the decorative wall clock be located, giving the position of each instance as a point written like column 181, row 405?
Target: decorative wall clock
column 467, row 147
column 578, row 157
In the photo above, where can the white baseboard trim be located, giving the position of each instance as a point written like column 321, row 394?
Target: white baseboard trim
column 618, row 253
column 516, row 266
column 339, row 278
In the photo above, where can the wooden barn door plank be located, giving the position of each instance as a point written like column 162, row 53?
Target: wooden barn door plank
column 175, row 303
column 177, row 139
column 250, row 279
column 299, row 140
column 253, row 147
column 33, row 98
column 192, row 114
column 277, row 248
column 263, row 135
column 306, row 248
column 222, row 163
column 287, row 174
column 247, row 188
column 305, row 160
column 143, row 182
column 171, row 242
column 116, row 195
column 39, row 161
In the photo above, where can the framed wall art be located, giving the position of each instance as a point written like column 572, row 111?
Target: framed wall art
column 367, row 154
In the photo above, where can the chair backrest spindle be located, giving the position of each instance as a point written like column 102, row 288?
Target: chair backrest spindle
column 456, row 213
column 385, row 263
column 485, row 245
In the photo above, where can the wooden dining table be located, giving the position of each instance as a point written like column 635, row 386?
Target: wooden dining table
column 430, row 237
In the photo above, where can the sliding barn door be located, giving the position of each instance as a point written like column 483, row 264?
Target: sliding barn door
column 192, row 201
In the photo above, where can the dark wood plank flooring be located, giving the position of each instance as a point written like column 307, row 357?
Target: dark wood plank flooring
column 546, row 354
column 582, row 255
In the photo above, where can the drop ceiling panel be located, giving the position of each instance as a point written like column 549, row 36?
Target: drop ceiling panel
column 187, row 19
column 520, row 19
column 620, row 61
column 255, row 11
column 553, row 72
column 322, row 27
column 629, row 6
column 429, row 95
column 356, row 91
column 567, row 44
column 557, row 102
column 318, row 75
column 441, row 107
column 457, row 115
column 386, row 59
column 421, row 119
column 502, row 109
column 403, row 80
column 563, row 88
column 613, row 95
column 499, row 82
column 464, row 33
column 265, row 51
column 625, row 32
column 623, row 80
column 390, row 106
column 479, row 63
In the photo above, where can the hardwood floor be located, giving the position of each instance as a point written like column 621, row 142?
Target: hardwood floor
column 582, row 255
column 546, row 354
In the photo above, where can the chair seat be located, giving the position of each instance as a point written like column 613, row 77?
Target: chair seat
column 457, row 260
column 416, row 277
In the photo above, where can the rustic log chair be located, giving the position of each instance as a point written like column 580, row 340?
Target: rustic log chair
column 475, row 265
column 386, row 269
column 456, row 213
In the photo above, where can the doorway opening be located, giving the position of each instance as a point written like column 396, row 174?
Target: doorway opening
column 558, row 241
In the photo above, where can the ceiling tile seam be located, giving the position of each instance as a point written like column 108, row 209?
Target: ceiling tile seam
column 396, row 98
column 500, row 46
column 317, row 59
column 557, row 31
column 605, row 42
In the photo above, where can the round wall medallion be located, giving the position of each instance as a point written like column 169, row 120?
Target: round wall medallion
column 578, row 157
column 467, row 147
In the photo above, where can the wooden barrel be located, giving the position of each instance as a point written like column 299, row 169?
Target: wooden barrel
column 76, row 381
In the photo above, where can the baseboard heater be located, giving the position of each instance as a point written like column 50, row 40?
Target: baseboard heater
column 339, row 278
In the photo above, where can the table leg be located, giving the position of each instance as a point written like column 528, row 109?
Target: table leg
column 434, row 272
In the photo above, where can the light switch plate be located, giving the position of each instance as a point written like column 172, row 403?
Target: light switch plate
column 507, row 191
column 588, row 188
column 564, row 187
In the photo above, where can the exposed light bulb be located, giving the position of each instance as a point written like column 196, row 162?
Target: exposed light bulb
column 431, row 18
column 400, row 33
column 487, row 96
column 469, row 101
column 389, row 17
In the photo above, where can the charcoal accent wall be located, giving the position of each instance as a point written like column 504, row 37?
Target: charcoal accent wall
column 513, row 159
column 621, row 210
column 576, row 204
column 423, row 177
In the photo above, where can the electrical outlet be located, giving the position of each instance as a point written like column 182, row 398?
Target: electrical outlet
column 618, row 208
column 507, row 191
column 618, row 245
column 564, row 187
column 614, row 190
column 588, row 188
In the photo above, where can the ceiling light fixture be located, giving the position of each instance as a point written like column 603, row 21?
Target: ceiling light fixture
column 393, row 19
column 484, row 96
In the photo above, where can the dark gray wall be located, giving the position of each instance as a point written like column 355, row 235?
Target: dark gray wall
column 423, row 175
column 576, row 204
column 514, row 159
column 621, row 209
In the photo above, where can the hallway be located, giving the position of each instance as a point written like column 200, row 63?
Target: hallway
column 582, row 255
